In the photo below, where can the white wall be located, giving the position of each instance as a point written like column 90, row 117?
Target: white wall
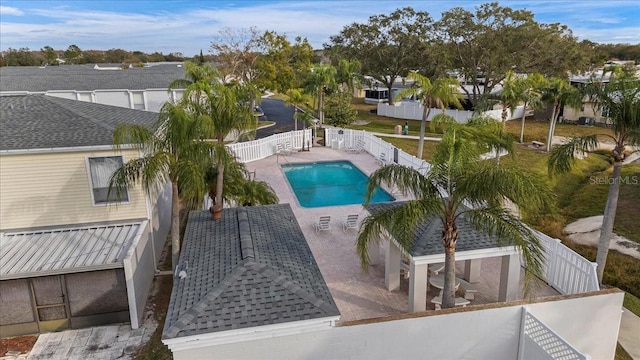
column 412, row 110
column 590, row 323
column 154, row 98
column 139, row 271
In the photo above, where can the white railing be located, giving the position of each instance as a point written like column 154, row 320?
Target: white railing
column 375, row 146
column 566, row 270
column 539, row 342
column 265, row 147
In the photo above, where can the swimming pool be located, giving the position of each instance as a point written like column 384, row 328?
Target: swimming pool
column 330, row 183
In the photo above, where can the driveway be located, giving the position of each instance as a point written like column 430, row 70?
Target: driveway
column 276, row 110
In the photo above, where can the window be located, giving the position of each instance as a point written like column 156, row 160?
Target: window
column 137, row 97
column 100, row 171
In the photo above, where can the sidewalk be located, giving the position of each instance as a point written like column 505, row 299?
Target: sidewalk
column 629, row 334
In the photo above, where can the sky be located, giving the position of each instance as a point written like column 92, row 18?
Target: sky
column 170, row 26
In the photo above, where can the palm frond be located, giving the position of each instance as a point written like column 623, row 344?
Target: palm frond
column 136, row 135
column 490, row 184
column 509, row 230
column 399, row 221
column 562, row 156
column 407, row 180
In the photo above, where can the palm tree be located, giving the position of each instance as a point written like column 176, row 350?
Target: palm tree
column 559, row 93
column 238, row 186
column 172, row 153
column 441, row 93
column 348, row 75
column 194, row 73
column 222, row 109
column 256, row 192
column 531, row 95
column 510, row 96
column 323, row 78
column 457, row 177
column 621, row 97
column 296, row 99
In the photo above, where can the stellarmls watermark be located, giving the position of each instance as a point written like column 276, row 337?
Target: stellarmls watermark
column 608, row 180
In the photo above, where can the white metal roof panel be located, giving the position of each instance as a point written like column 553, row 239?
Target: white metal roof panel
column 65, row 250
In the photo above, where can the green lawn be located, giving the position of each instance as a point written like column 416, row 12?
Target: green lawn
column 577, row 197
column 538, row 130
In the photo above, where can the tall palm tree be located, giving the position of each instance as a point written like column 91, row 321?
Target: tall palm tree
column 457, row 177
column 221, row 109
column 322, row 79
column 531, row 90
column 559, row 93
column 441, row 93
column 621, row 97
column 172, row 153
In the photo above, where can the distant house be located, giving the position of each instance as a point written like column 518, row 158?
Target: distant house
column 141, row 88
column 247, row 277
column 70, row 255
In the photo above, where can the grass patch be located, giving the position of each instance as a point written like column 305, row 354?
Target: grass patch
column 592, row 198
column 383, row 124
column 535, row 130
column 262, row 124
column 632, row 303
column 577, row 197
column 621, row 353
column 410, row 146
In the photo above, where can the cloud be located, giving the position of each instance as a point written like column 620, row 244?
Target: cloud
column 188, row 30
column 8, row 10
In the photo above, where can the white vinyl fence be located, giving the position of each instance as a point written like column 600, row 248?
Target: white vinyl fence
column 539, row 342
column 265, row 147
column 565, row 270
column 412, row 110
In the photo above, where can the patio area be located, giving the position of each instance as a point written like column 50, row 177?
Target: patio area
column 358, row 295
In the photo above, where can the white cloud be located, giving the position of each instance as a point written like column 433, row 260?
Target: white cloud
column 190, row 30
column 8, row 10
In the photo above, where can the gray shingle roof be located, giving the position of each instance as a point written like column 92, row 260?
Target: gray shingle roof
column 86, row 78
column 428, row 234
column 40, row 122
column 251, row 268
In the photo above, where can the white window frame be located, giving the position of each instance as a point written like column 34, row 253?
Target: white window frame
column 93, row 200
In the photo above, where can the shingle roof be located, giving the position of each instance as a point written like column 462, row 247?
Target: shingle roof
column 86, row 78
column 65, row 250
column 40, row 121
column 251, row 268
column 428, row 234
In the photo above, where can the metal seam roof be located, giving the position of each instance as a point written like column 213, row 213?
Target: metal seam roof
column 33, row 253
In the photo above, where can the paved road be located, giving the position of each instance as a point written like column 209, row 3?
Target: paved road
column 275, row 110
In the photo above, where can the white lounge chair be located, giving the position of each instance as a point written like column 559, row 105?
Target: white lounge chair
column 351, row 222
column 323, row 224
column 282, row 150
column 288, row 148
column 383, row 159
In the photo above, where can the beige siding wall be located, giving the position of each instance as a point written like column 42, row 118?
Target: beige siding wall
column 53, row 189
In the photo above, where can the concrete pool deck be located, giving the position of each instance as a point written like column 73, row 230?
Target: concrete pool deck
column 358, row 295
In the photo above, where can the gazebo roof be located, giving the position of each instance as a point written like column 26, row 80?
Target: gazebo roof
column 427, row 235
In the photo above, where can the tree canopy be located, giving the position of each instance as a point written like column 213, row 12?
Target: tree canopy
column 387, row 46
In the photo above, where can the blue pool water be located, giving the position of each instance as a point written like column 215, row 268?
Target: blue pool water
column 330, row 183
